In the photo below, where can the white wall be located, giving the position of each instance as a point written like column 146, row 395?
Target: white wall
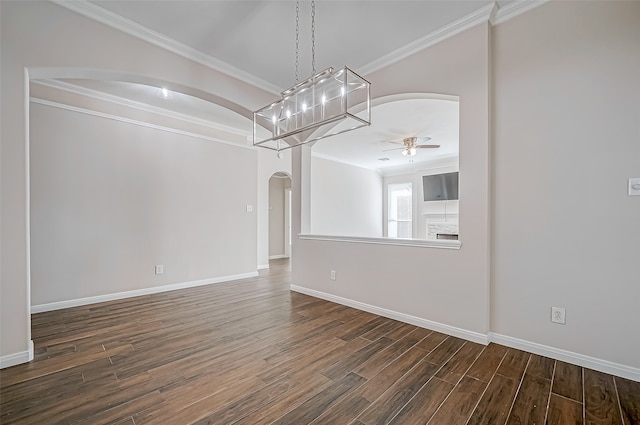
column 345, row 200
column 41, row 38
column 450, row 287
column 566, row 139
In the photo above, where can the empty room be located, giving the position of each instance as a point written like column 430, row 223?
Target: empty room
column 320, row 212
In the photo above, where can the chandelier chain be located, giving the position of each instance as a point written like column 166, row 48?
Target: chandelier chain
column 297, row 35
column 313, row 37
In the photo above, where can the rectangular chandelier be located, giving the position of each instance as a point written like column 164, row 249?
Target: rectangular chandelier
column 329, row 103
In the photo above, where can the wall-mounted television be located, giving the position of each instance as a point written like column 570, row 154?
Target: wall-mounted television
column 440, row 187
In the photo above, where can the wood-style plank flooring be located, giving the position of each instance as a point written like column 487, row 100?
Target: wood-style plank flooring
column 252, row 352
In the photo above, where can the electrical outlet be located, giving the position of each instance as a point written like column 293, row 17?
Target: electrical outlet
column 558, row 315
column 159, row 269
column 332, row 276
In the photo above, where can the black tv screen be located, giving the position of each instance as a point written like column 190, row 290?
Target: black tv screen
column 440, row 187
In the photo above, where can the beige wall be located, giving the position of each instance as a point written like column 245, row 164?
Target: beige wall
column 110, row 199
column 47, row 40
column 566, row 139
column 562, row 83
column 450, row 287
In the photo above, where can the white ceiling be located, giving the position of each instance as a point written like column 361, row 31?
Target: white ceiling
column 256, row 39
column 391, row 123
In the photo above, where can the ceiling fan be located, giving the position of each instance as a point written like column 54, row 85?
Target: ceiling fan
column 411, row 144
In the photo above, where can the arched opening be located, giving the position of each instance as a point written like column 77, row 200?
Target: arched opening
column 378, row 182
column 279, row 216
column 132, row 167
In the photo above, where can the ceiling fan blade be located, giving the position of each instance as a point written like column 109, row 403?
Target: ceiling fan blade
column 427, row 146
column 393, row 149
column 423, row 139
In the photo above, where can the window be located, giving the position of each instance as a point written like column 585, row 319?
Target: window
column 400, row 218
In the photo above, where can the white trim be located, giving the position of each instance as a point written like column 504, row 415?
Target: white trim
column 136, row 122
column 27, row 188
column 515, row 8
column 406, row 318
column 106, row 97
column 263, row 266
column 277, row 257
column 589, row 362
column 423, row 243
column 130, row 27
column 17, row 358
column 435, row 37
column 343, row 161
column 137, row 292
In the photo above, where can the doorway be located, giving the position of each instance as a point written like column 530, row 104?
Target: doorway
column 279, row 216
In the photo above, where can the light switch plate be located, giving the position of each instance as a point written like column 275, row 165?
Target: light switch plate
column 249, row 208
column 634, row 186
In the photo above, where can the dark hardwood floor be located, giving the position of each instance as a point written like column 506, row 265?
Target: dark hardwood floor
column 251, row 352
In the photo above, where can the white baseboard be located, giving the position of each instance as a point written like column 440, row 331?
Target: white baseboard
column 17, row 358
column 263, row 266
column 277, row 257
column 406, row 318
column 589, row 362
column 137, row 292
column 605, row 366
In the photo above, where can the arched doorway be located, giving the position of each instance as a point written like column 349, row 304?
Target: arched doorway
column 279, row 216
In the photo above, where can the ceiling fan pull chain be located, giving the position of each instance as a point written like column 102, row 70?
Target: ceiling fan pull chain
column 297, row 35
column 313, row 37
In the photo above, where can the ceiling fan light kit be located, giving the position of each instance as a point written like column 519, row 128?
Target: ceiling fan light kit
column 409, row 151
column 328, row 103
column 411, row 145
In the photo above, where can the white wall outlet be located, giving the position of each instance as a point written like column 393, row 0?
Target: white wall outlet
column 558, row 315
column 249, row 208
column 332, row 275
column 159, row 269
column 634, row 187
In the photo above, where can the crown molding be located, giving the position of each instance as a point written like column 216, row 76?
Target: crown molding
column 139, row 123
column 514, row 9
column 105, row 97
column 481, row 15
column 342, row 161
column 130, row 27
column 491, row 13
